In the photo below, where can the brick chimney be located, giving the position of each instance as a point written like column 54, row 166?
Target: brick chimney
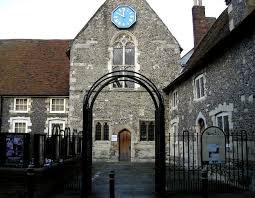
column 201, row 23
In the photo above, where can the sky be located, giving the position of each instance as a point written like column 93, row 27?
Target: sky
column 63, row 19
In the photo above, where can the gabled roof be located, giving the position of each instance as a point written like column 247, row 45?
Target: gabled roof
column 34, row 67
column 214, row 42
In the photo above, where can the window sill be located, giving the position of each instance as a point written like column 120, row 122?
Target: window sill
column 20, row 111
column 58, row 112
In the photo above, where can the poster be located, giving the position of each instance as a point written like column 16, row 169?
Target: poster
column 214, row 153
column 14, row 149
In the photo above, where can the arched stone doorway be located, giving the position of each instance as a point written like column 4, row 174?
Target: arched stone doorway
column 124, row 145
column 89, row 100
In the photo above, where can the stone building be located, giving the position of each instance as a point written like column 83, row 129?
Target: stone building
column 34, row 85
column 123, row 109
column 216, row 86
column 212, row 85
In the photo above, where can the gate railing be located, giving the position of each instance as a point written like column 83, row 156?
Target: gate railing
column 184, row 165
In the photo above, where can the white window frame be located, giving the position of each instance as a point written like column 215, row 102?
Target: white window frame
column 175, row 133
column 175, row 99
column 55, row 122
column 14, row 120
column 20, row 111
column 198, row 78
column 64, row 111
column 222, row 115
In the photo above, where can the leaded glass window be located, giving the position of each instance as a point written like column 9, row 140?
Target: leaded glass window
column 147, row 131
column 123, row 59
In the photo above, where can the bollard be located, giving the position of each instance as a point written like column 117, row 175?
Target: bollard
column 204, row 183
column 111, row 184
column 30, row 175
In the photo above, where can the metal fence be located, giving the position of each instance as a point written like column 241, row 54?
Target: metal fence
column 38, row 150
column 184, row 165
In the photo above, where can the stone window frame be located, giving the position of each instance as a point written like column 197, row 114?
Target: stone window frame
column 15, row 120
column 136, row 65
column 102, row 130
column 175, row 99
column 223, row 108
column 199, row 117
column 197, row 79
column 64, row 103
column 174, row 122
column 147, row 124
column 15, row 105
column 222, row 115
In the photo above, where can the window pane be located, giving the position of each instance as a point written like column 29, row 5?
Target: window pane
column 175, row 99
column 21, row 105
column 98, row 131
column 117, row 84
column 226, row 125
column 117, row 56
column 151, row 131
column 219, row 121
column 130, row 56
column 197, row 88
column 106, row 131
column 57, row 105
column 202, row 87
column 20, row 127
column 128, row 83
column 143, row 134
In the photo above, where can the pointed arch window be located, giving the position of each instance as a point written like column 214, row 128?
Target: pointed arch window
column 123, row 59
column 147, row 131
column 98, row 131
column 101, row 131
column 151, row 128
column 106, row 131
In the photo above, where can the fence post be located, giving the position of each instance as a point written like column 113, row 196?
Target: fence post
column 204, row 178
column 30, row 174
column 111, row 184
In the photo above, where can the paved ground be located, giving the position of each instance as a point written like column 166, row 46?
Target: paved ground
column 133, row 180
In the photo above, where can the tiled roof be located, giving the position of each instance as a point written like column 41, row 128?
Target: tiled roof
column 34, row 67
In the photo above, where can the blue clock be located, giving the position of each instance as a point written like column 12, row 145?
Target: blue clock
column 123, row 16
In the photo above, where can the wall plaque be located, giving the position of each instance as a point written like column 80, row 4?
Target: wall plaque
column 114, row 138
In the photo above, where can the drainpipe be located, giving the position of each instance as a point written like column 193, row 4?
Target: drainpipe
column 1, row 112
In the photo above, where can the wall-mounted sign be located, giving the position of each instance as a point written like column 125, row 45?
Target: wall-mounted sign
column 114, row 138
column 213, row 146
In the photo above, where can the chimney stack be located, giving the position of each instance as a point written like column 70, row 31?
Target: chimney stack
column 201, row 23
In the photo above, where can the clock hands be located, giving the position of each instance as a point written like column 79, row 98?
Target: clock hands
column 123, row 13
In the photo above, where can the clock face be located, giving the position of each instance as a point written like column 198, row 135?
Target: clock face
column 124, row 16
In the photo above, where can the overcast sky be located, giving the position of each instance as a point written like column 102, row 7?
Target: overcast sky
column 63, row 19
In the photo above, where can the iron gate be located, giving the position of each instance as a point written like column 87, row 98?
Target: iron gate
column 184, row 164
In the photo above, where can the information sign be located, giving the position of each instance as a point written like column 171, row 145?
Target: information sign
column 213, row 146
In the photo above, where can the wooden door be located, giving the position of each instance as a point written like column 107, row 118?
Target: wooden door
column 125, row 146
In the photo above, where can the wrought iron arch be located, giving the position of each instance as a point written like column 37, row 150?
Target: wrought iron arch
column 89, row 99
